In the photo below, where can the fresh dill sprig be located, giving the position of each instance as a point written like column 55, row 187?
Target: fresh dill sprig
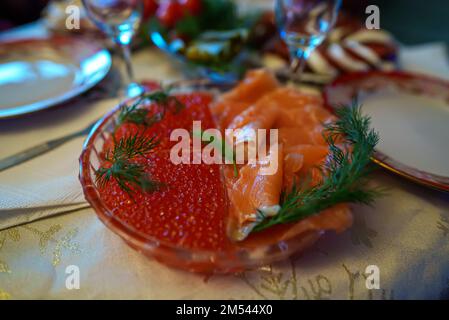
column 343, row 174
column 134, row 114
column 164, row 98
column 131, row 146
column 221, row 146
column 126, row 173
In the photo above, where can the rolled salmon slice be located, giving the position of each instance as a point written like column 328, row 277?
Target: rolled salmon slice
column 255, row 84
column 296, row 108
column 293, row 162
column 246, row 125
column 313, row 155
column 311, row 116
column 293, row 136
column 225, row 111
column 300, row 120
column 254, row 192
column 291, row 98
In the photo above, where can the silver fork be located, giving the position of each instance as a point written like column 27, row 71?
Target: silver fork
column 42, row 148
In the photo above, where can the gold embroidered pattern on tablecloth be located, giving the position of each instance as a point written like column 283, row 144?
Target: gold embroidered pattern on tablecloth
column 443, row 225
column 65, row 242
column 45, row 238
column 269, row 283
column 10, row 234
column 4, row 295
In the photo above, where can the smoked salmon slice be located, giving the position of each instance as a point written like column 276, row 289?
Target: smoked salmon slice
column 313, row 155
column 337, row 219
column 256, row 84
column 254, row 193
column 226, row 111
column 258, row 102
column 292, row 136
column 302, row 162
column 245, row 126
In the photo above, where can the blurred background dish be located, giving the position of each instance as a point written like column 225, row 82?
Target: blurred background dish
column 39, row 73
column 210, row 38
column 243, row 39
column 303, row 26
column 349, row 47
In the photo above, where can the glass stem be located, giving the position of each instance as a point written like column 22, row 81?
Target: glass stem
column 298, row 56
column 126, row 56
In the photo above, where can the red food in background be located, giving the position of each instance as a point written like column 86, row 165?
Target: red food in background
column 149, row 8
column 169, row 13
column 193, row 7
column 151, row 85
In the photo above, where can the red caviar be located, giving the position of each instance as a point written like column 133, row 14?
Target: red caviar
column 190, row 208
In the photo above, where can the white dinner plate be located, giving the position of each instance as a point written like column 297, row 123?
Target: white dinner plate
column 411, row 114
column 36, row 74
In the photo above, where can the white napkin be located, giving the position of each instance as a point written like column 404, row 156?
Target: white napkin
column 44, row 186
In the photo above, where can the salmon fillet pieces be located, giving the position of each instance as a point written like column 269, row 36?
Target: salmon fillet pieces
column 260, row 103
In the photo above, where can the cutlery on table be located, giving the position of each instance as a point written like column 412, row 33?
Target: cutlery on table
column 42, row 148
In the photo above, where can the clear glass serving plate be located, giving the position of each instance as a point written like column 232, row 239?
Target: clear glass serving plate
column 248, row 254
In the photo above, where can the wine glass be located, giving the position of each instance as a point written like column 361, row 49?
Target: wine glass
column 303, row 25
column 119, row 19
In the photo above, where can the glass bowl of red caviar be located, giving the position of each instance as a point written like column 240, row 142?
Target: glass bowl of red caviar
column 199, row 249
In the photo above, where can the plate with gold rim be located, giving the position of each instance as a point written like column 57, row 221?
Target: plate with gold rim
column 411, row 113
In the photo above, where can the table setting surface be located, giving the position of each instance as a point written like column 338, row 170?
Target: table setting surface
column 46, row 225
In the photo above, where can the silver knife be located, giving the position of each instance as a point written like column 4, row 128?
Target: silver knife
column 42, row 148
